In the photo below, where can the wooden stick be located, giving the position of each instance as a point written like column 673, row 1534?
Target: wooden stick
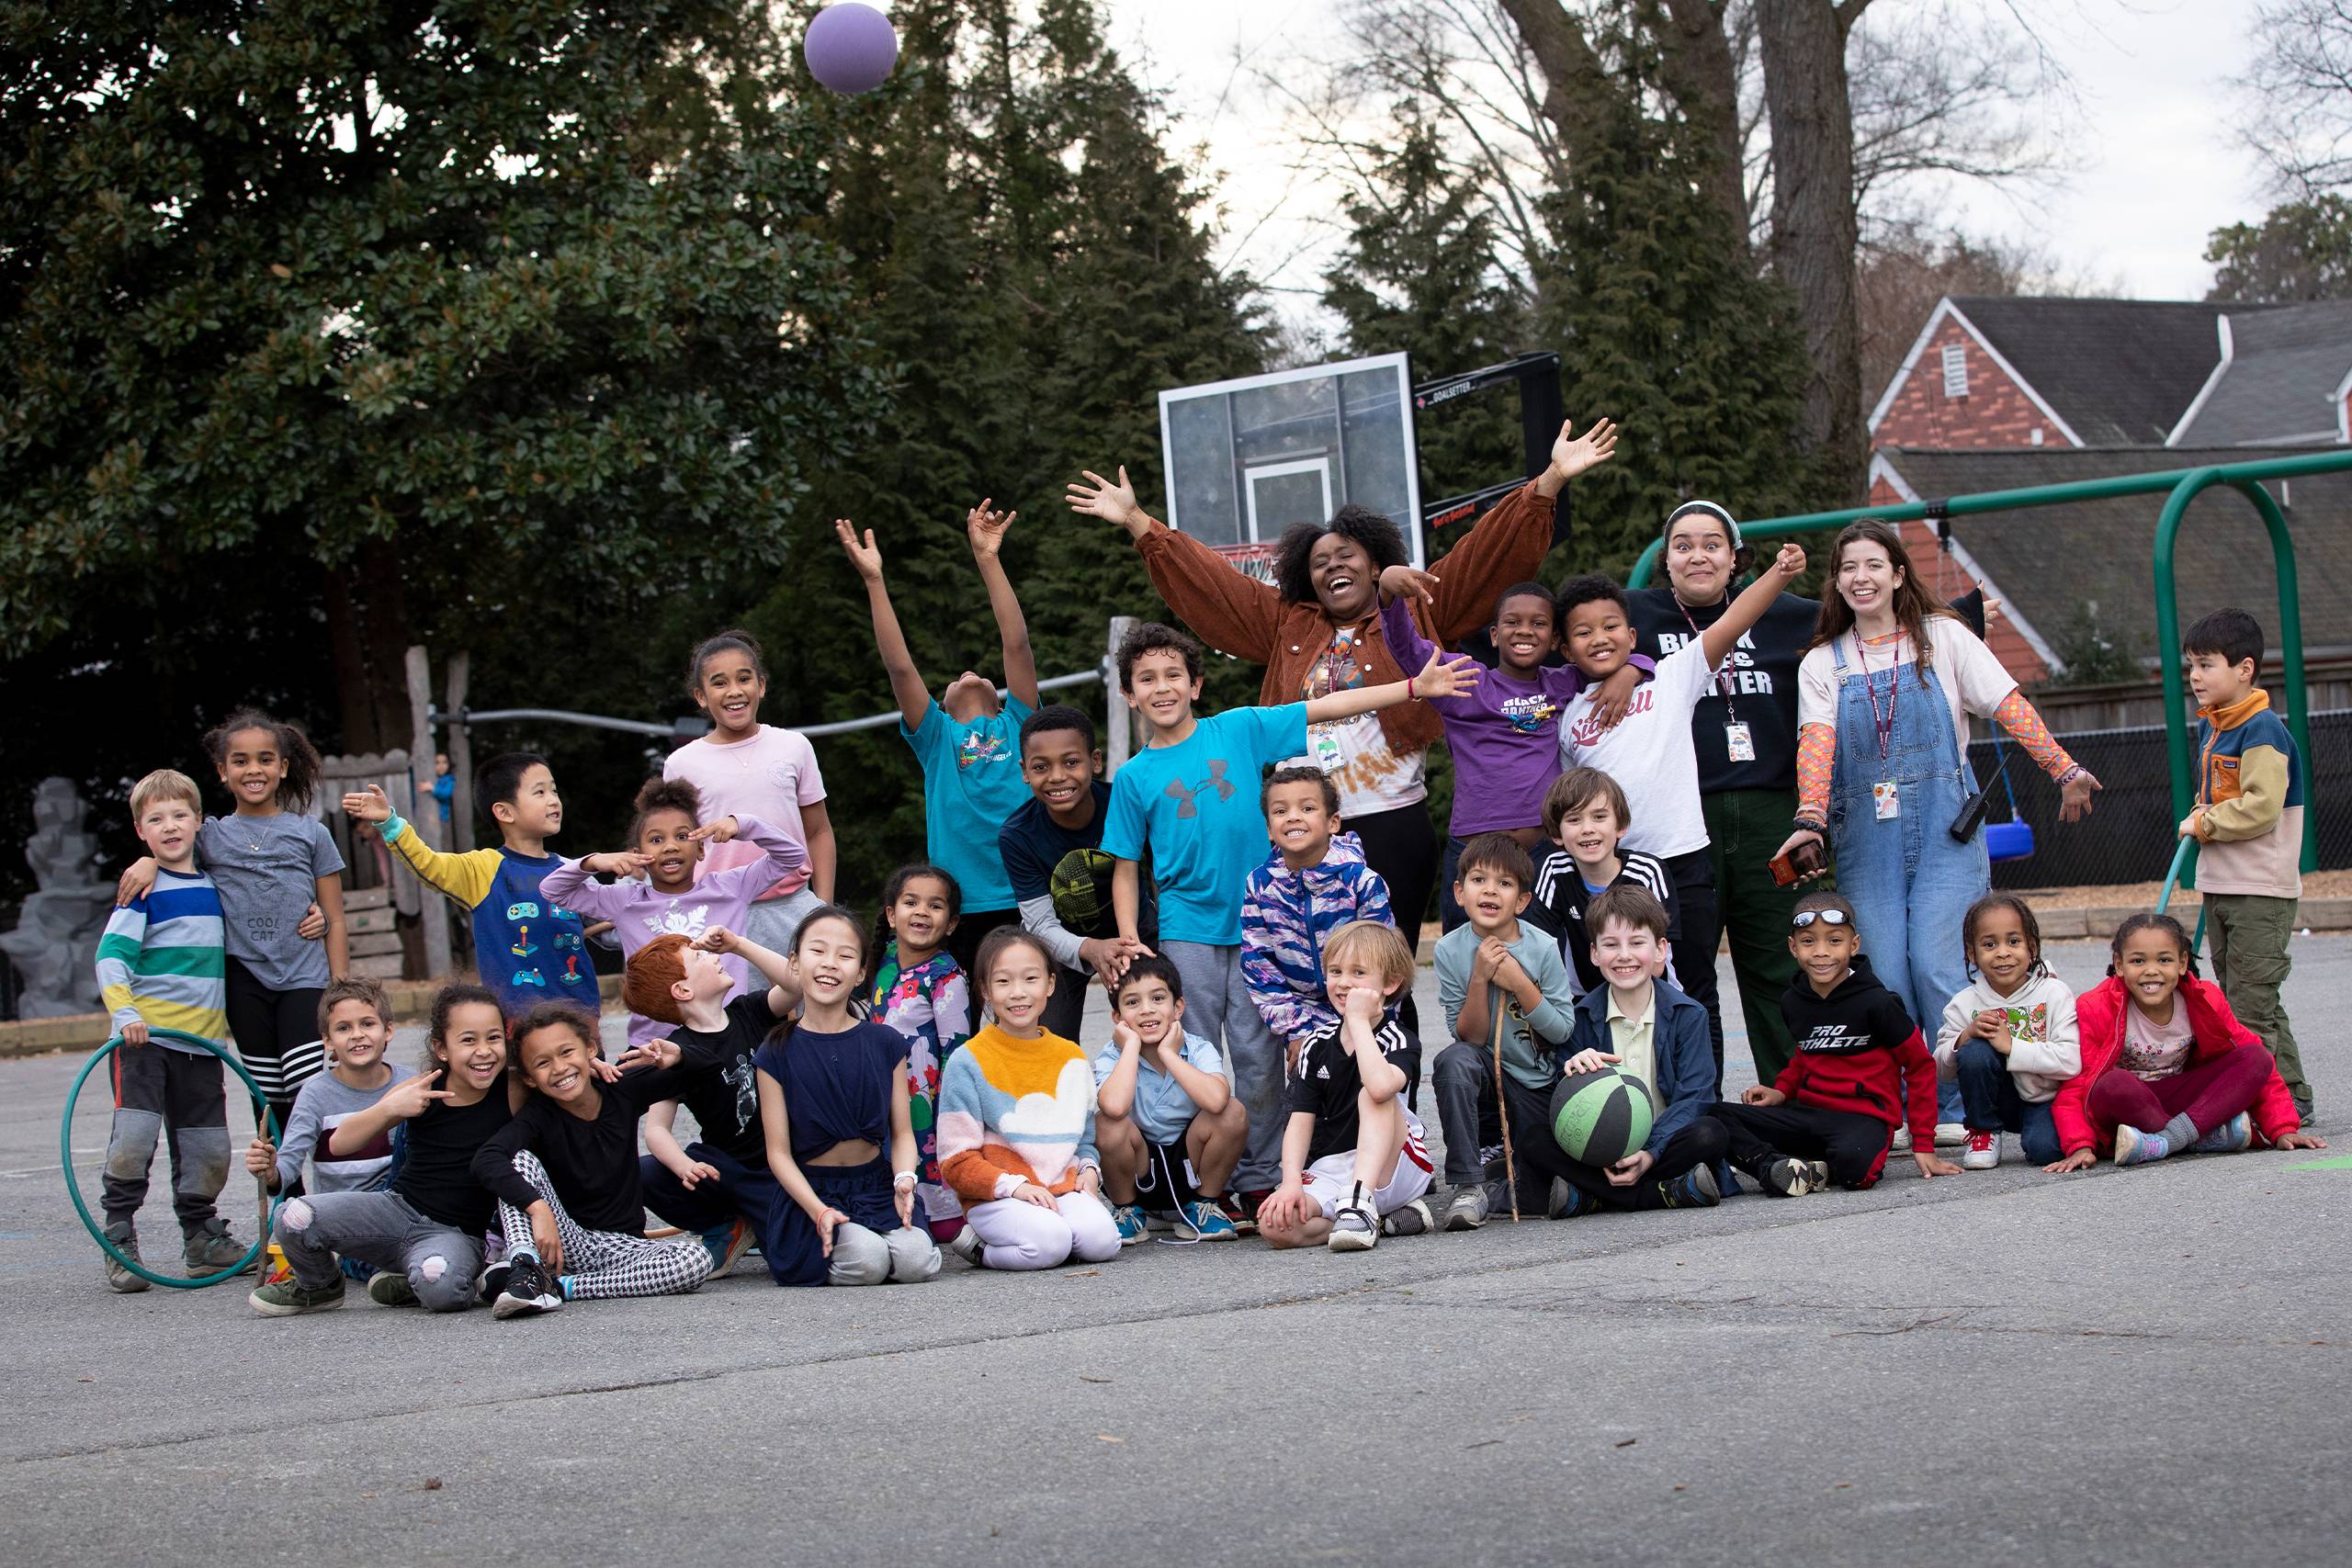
column 1503, row 1106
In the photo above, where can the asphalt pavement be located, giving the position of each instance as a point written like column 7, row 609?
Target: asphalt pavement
column 2145, row 1367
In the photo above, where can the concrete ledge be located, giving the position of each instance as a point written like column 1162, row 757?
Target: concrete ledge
column 411, row 1003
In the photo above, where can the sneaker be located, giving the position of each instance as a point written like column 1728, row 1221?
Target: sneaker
column 529, row 1291
column 120, row 1279
column 292, row 1299
column 1207, row 1221
column 1951, row 1135
column 1241, row 1210
column 1694, row 1188
column 2307, row 1117
column 1902, row 1143
column 2134, row 1147
column 727, row 1242
column 1567, row 1202
column 1132, row 1223
column 1984, row 1151
column 490, row 1283
column 966, row 1246
column 1794, row 1178
column 388, row 1288
column 1467, row 1209
column 1413, row 1219
column 212, row 1248
column 1356, row 1227
column 2233, row 1136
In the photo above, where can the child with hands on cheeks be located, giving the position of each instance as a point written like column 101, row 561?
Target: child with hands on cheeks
column 1032, row 1197
column 833, row 1094
column 1163, row 1103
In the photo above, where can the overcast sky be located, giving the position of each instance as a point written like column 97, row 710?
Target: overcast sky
column 2156, row 165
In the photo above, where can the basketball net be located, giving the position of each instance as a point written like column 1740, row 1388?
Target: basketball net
column 1256, row 560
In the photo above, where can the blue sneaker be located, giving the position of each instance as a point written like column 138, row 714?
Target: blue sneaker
column 727, row 1244
column 1567, row 1200
column 2134, row 1147
column 2233, row 1136
column 1207, row 1221
column 1132, row 1223
column 1694, row 1188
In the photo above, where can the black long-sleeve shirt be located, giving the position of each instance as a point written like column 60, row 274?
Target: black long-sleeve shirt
column 444, row 1142
column 592, row 1160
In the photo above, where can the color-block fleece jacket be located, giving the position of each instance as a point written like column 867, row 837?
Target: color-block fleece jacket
column 2250, row 801
column 1286, row 916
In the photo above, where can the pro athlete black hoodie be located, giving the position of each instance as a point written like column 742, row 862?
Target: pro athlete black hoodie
column 1858, row 1051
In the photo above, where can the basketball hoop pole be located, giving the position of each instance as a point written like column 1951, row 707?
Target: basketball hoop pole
column 1118, row 722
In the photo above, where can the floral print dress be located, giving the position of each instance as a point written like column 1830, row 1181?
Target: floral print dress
column 927, row 1005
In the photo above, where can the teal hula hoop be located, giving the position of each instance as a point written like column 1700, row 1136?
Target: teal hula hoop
column 73, row 1186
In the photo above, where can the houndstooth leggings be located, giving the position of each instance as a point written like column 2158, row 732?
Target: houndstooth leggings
column 605, row 1263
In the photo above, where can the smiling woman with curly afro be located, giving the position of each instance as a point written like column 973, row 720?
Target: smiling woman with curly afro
column 1316, row 628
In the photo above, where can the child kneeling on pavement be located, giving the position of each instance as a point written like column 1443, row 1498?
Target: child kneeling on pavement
column 1352, row 1153
column 1166, row 1122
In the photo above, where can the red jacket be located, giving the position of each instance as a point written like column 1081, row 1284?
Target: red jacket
column 2099, row 1016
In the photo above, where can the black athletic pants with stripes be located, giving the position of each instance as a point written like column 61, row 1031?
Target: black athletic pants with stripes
column 277, row 1036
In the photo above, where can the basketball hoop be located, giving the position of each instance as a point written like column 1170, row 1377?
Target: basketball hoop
column 1255, row 559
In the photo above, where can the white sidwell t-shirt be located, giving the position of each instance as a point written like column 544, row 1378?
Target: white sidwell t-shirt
column 1973, row 681
column 1649, row 753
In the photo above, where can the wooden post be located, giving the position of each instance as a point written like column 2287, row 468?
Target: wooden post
column 461, row 748
column 423, row 815
column 1118, row 730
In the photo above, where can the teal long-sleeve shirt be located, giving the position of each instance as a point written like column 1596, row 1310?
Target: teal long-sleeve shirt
column 1528, row 1038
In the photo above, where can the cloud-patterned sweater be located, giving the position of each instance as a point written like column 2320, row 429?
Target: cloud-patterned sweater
column 1014, row 1110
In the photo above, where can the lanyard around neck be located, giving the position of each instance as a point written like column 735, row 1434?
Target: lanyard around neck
column 1884, row 727
column 1719, row 676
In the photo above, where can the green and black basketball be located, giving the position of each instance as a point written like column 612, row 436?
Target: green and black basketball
column 1599, row 1118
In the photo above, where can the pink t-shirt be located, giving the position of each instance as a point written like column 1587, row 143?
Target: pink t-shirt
column 769, row 777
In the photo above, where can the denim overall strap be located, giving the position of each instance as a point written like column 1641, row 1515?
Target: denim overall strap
column 1909, row 881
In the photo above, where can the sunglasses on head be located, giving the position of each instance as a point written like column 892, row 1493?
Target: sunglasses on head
column 1804, row 918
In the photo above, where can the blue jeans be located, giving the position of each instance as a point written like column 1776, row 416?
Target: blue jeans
column 1989, row 1092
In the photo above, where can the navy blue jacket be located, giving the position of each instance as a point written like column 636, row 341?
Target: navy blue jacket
column 1686, row 1053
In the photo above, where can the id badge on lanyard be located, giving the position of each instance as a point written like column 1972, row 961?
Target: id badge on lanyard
column 1738, row 744
column 1886, row 799
column 1326, row 747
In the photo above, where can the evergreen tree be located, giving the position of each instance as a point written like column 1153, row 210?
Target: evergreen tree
column 2299, row 252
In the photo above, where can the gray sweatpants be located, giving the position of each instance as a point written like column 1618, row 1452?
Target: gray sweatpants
column 160, row 1091
column 1217, row 1008
column 383, row 1229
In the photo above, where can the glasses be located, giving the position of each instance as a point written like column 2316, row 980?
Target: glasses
column 1804, row 918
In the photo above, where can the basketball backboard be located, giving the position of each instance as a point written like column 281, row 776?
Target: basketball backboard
column 1247, row 459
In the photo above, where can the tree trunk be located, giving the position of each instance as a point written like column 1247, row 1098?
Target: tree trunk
column 1698, row 70
column 1814, row 228
column 367, row 635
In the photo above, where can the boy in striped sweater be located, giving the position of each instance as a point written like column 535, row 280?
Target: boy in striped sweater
column 160, row 966
column 1314, row 882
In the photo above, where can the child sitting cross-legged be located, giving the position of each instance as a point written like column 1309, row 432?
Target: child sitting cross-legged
column 1352, row 1155
column 1831, row 1114
column 1016, row 1124
column 1646, row 1029
column 565, row 1173
column 1585, row 815
column 1313, row 881
column 920, row 991
column 1505, row 990
column 841, row 1139
column 2010, row 1038
column 1166, row 1120
column 2167, row 1068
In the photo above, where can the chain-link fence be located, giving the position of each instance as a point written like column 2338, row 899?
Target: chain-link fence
column 2129, row 838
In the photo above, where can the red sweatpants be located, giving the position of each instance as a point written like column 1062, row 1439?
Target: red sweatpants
column 2210, row 1092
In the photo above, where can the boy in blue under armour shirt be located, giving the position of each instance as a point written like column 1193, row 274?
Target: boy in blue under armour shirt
column 1190, row 797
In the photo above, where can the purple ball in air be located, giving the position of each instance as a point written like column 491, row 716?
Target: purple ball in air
column 850, row 47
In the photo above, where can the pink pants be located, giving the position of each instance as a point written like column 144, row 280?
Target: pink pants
column 2211, row 1092
column 1015, row 1235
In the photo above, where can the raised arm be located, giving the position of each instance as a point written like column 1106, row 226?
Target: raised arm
column 466, row 877
column 907, row 687
column 1509, row 543
column 1442, row 676
column 1232, row 612
column 1734, row 623
column 987, row 527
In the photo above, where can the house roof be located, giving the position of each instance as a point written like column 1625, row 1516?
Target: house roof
column 2053, row 563
column 2119, row 372
column 2279, row 387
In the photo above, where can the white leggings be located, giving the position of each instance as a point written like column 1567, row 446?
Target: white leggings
column 1015, row 1235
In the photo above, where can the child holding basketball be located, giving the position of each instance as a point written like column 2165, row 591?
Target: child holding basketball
column 920, row 991
column 1312, row 883
column 668, row 840
column 2167, row 1068
column 1184, row 801
column 840, row 1134
column 1586, row 815
column 1651, row 1033
column 1353, row 1155
column 748, row 770
column 1830, row 1116
column 1032, row 1194
column 1163, row 1108
column 1505, row 990
column 969, row 739
column 2008, row 1039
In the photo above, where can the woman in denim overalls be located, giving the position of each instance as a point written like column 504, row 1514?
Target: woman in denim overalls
column 1894, row 780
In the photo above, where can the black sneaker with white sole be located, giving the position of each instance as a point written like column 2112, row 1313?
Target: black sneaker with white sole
column 1793, row 1177
column 529, row 1291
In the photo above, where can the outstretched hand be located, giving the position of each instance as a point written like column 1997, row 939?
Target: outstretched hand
column 986, row 526
column 867, row 557
column 369, row 805
column 1572, row 454
column 1789, row 562
column 1401, row 582
column 1112, row 502
column 1446, row 675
